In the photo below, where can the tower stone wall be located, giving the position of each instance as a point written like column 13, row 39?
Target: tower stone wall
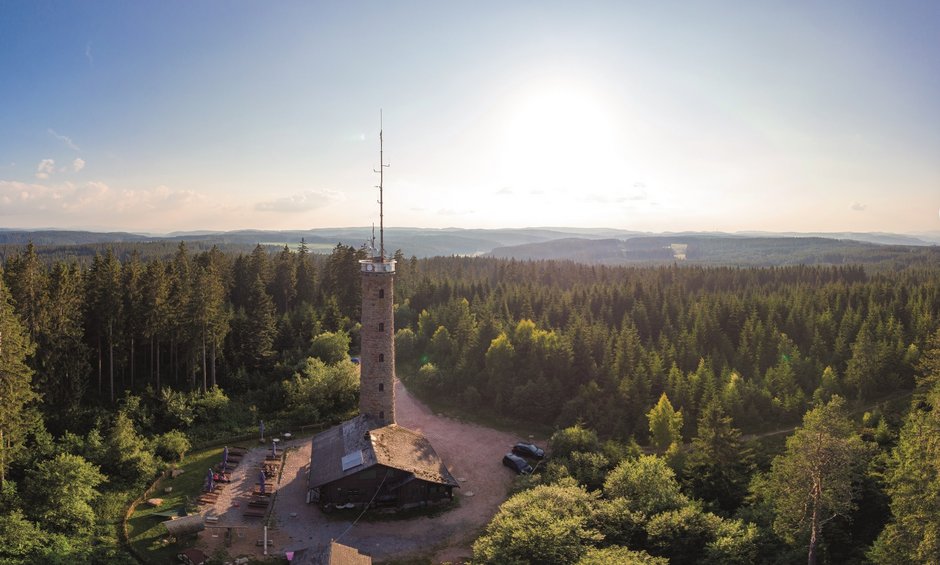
column 377, row 365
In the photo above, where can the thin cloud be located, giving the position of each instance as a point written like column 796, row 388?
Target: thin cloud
column 302, row 202
column 65, row 139
column 858, row 206
column 89, row 199
column 503, row 191
column 78, row 164
column 20, row 198
column 45, row 168
column 88, row 55
column 453, row 212
column 637, row 194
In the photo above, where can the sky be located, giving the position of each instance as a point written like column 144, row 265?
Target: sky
column 167, row 116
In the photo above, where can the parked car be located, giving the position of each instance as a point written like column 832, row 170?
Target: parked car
column 517, row 464
column 525, row 449
column 192, row 556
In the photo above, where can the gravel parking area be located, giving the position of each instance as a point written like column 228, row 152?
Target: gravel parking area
column 471, row 452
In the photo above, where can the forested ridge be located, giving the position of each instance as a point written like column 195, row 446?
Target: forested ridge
column 557, row 343
column 116, row 365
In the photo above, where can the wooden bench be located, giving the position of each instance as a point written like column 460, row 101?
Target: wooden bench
column 252, row 513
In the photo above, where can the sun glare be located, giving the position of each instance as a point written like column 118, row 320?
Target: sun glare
column 558, row 138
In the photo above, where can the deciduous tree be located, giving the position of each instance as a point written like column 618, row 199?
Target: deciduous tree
column 549, row 524
column 816, row 480
column 62, row 491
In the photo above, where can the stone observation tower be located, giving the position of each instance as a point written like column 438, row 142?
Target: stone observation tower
column 377, row 371
column 369, row 460
column 377, row 377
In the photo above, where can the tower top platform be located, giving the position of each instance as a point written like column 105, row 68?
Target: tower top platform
column 377, row 265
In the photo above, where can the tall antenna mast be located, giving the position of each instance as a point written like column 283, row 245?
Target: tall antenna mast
column 381, row 172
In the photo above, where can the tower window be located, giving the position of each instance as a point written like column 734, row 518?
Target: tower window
column 381, row 387
column 381, row 358
column 381, row 293
column 381, row 326
column 381, row 415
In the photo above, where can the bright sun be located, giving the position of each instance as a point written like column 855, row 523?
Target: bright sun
column 559, row 137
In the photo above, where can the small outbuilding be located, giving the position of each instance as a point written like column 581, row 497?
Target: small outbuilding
column 186, row 525
column 333, row 554
column 355, row 464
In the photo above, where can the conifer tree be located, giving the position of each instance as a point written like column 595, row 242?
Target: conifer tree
column 913, row 477
column 16, row 394
column 62, row 356
column 306, row 286
column 718, row 466
column 156, row 295
column 284, row 283
column 665, row 424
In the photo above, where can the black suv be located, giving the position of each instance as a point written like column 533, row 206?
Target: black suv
column 528, row 450
column 517, row 464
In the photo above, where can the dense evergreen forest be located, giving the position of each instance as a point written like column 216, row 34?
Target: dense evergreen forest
column 117, row 364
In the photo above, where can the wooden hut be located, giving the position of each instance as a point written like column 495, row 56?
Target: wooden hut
column 353, row 465
column 333, row 554
column 186, row 525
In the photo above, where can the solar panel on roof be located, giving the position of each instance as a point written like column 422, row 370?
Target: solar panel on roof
column 351, row 460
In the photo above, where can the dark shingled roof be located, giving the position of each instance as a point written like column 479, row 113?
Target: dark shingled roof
column 401, row 448
column 392, row 446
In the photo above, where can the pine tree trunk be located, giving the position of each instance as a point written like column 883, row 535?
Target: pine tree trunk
column 158, row 366
column 814, row 527
column 205, row 374
column 213, row 363
column 111, row 359
column 99, row 366
column 132, row 363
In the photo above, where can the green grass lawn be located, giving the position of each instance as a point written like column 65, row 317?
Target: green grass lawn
column 144, row 529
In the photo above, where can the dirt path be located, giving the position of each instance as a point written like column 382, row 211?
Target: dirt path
column 471, row 452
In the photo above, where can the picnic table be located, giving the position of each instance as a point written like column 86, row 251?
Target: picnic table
column 270, row 469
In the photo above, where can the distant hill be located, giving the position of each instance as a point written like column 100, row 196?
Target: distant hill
column 421, row 242
column 601, row 246
column 56, row 237
column 724, row 250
